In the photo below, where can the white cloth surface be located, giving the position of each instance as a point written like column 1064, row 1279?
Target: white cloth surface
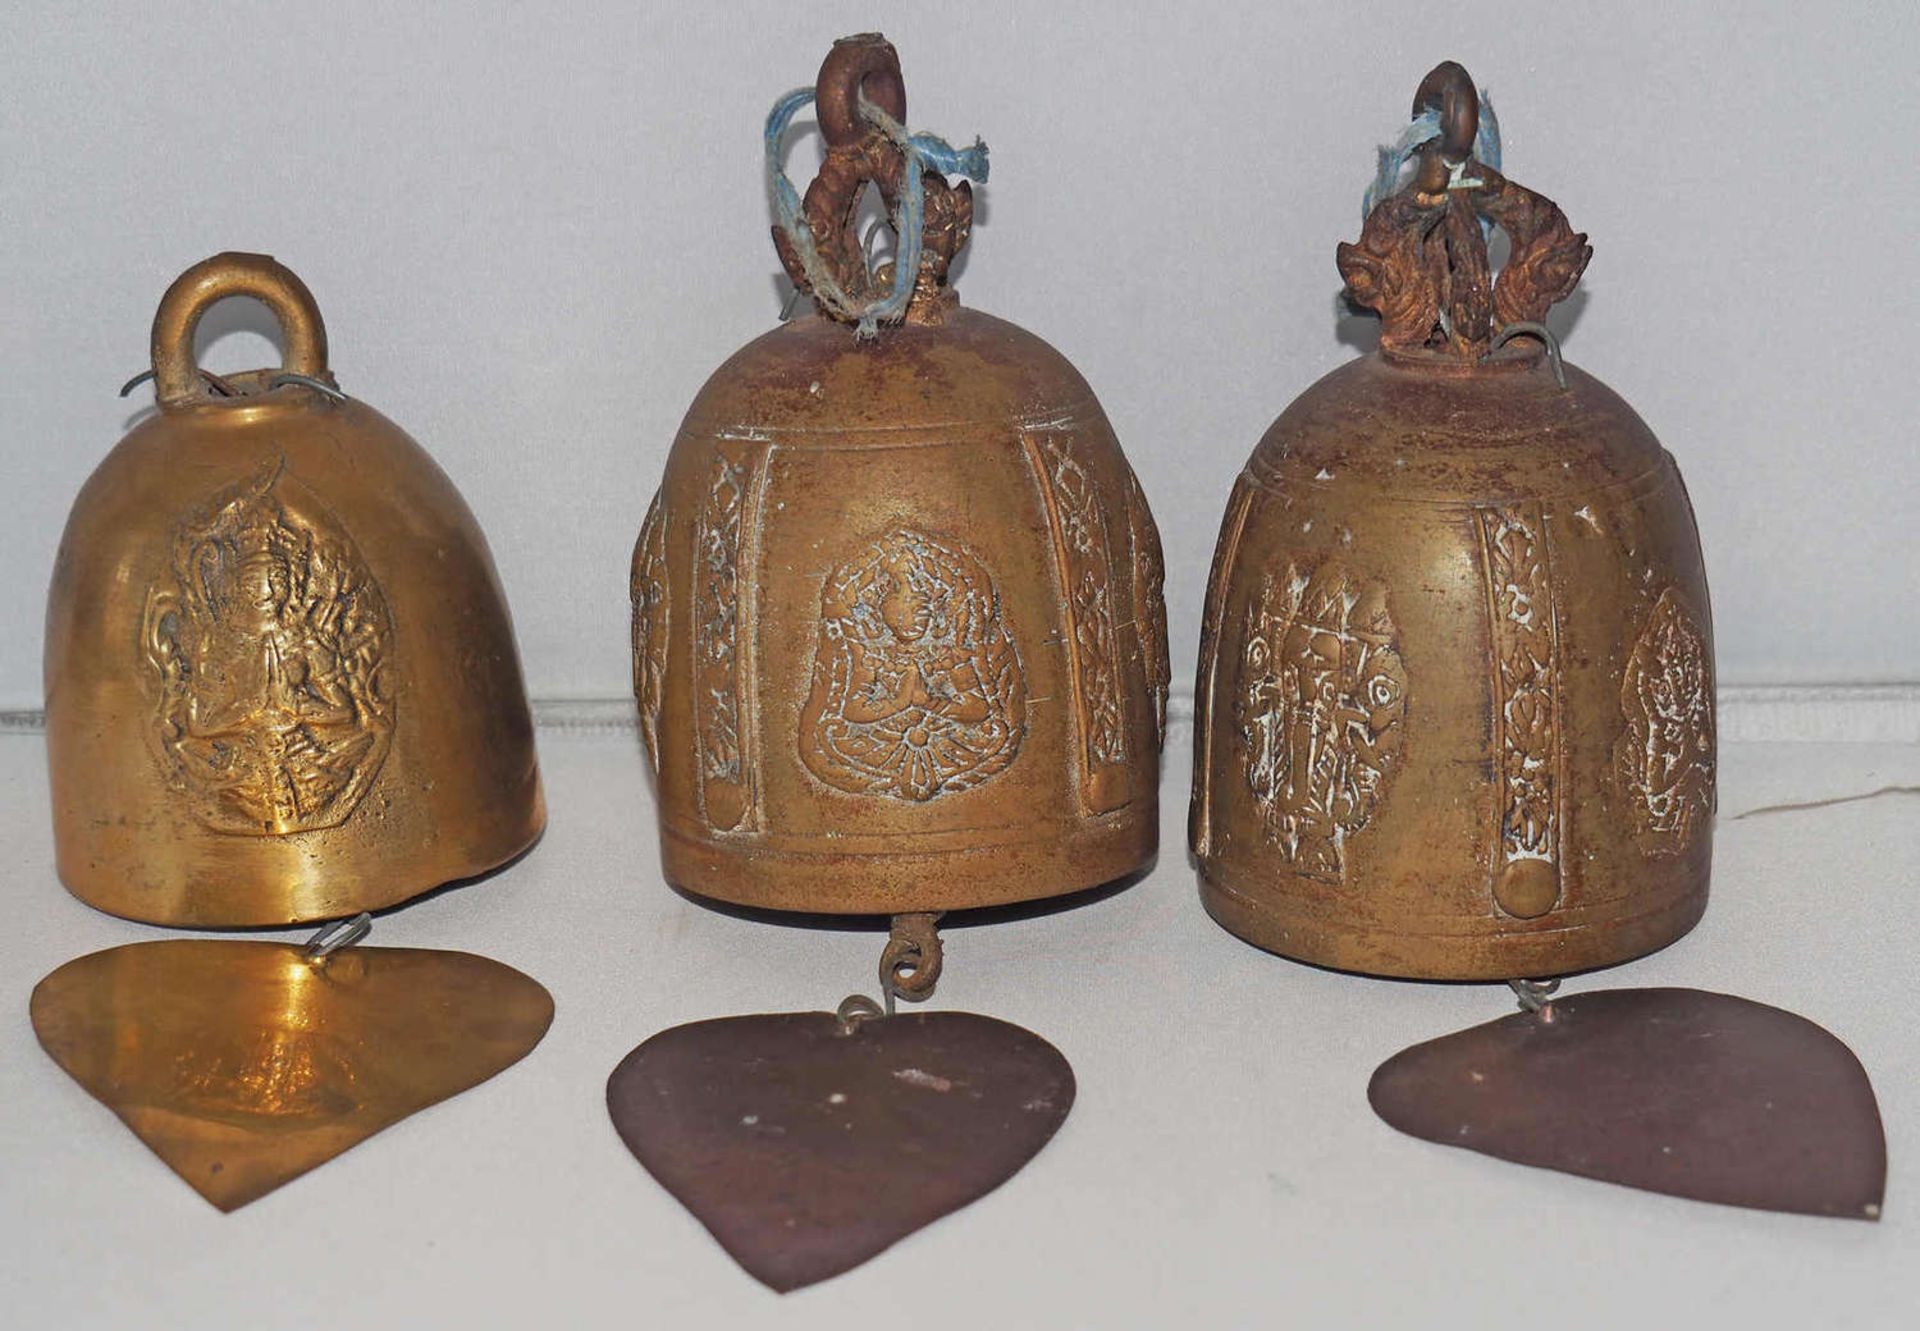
column 1221, row 1167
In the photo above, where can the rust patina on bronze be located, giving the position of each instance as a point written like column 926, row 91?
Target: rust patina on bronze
column 1455, row 689
column 244, row 1065
column 1679, row 1091
column 898, row 640
column 281, row 681
column 807, row 1143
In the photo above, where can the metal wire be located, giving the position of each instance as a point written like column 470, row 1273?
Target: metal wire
column 910, row 963
column 338, row 934
column 1534, row 994
column 855, row 1009
column 320, row 386
column 1528, row 328
column 214, row 381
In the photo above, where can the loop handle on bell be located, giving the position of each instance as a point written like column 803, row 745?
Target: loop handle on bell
column 1448, row 91
column 865, row 62
column 1422, row 260
column 201, row 287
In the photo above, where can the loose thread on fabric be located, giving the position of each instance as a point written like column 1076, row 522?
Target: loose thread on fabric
column 1422, row 129
column 924, row 152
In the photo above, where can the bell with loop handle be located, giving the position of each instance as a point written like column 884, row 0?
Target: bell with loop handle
column 1455, row 691
column 281, row 680
column 899, row 638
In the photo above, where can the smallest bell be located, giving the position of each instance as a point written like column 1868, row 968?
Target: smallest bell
column 281, row 682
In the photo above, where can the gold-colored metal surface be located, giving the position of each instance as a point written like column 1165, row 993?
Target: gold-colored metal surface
column 243, row 1065
column 281, row 681
column 898, row 638
column 1455, row 692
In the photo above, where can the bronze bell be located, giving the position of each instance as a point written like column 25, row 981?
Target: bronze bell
column 898, row 632
column 1455, row 692
column 281, row 682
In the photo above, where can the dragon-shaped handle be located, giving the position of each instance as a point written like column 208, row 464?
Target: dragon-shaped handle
column 1421, row 260
column 859, row 152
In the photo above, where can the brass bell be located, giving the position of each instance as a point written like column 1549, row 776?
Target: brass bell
column 899, row 639
column 281, row 682
column 1455, row 691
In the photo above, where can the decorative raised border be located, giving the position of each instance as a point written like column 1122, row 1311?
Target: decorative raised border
column 1076, row 515
column 1524, row 623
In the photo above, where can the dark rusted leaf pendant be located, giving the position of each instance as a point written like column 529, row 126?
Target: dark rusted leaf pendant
column 245, row 1064
column 1678, row 1091
column 808, row 1142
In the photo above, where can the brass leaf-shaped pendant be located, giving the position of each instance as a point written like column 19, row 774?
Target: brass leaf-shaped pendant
column 1678, row 1091
column 806, row 1147
column 245, row 1064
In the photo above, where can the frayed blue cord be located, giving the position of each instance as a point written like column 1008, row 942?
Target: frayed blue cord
column 926, row 152
column 1486, row 144
column 1393, row 159
column 1423, row 127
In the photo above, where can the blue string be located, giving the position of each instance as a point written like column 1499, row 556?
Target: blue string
column 1486, row 144
column 1393, row 159
column 924, row 152
column 1419, row 130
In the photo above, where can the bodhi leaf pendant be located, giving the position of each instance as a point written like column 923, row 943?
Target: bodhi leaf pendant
column 809, row 1142
column 245, row 1064
column 1680, row 1091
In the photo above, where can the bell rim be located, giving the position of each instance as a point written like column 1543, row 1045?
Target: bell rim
column 1530, row 952
column 471, row 870
column 737, row 873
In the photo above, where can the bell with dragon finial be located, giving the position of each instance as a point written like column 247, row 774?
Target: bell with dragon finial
column 1455, row 691
column 1456, row 719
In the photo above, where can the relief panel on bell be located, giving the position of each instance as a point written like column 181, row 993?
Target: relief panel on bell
column 1321, row 700
column 918, row 690
column 647, row 589
column 1524, row 626
column 268, row 642
column 1206, row 699
column 722, row 728
column 1076, row 515
column 1150, row 604
column 1665, row 757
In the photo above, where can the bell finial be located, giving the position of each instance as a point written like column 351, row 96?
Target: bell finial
column 1421, row 260
column 862, row 101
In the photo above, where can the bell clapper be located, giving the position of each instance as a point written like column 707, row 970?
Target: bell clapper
column 909, row 969
column 910, row 963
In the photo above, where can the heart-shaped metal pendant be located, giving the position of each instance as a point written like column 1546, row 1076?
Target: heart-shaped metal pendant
column 807, row 1143
column 1679, row 1091
column 245, row 1064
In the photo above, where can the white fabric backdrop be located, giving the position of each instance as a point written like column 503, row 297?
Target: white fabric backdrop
column 535, row 229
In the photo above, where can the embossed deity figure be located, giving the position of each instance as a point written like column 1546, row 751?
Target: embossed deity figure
column 1667, row 751
column 917, row 686
column 1321, row 699
column 1513, row 777
column 267, row 644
